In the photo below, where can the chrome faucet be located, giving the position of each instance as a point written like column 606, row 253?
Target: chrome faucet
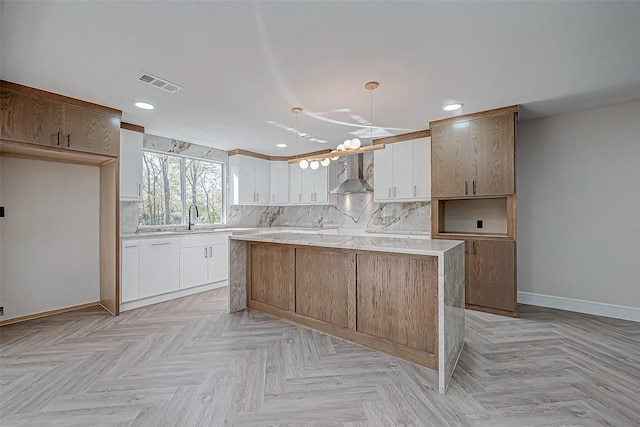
column 191, row 216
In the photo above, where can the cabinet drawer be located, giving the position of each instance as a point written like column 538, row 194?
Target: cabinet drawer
column 204, row 240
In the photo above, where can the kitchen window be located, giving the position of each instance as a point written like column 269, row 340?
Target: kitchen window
column 171, row 184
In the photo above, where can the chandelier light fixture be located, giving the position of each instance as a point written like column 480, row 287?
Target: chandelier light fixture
column 347, row 148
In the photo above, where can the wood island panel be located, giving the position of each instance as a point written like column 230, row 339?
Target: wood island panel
column 397, row 299
column 272, row 275
column 325, row 285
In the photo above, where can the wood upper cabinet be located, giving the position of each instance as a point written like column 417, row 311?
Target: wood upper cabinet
column 323, row 296
column 474, row 158
column 31, row 120
column 450, row 160
column 36, row 120
column 492, row 155
column 92, row 132
column 272, row 275
column 491, row 274
column 397, row 299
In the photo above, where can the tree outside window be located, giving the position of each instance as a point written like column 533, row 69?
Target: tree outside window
column 171, row 184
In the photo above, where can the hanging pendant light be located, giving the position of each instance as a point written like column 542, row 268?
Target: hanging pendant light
column 348, row 147
column 354, row 145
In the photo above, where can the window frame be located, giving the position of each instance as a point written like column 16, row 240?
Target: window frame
column 183, row 169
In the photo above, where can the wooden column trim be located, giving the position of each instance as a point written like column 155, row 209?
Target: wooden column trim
column 131, row 127
column 404, row 137
column 495, row 112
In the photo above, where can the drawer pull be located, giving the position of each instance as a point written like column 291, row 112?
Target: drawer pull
column 161, row 244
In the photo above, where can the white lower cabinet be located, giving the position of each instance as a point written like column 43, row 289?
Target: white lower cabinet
column 219, row 263
column 203, row 259
column 129, row 282
column 159, row 266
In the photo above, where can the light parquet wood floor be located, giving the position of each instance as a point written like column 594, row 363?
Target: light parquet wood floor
column 188, row 362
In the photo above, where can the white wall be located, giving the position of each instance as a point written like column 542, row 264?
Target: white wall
column 50, row 236
column 579, row 207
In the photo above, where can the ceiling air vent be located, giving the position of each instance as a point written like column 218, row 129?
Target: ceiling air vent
column 159, row 83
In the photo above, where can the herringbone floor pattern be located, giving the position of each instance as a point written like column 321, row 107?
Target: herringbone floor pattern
column 189, row 363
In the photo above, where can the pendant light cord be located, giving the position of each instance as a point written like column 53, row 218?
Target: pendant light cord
column 371, row 113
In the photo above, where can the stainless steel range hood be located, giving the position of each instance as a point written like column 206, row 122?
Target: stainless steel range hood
column 355, row 183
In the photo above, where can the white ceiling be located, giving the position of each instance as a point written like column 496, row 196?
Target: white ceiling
column 242, row 64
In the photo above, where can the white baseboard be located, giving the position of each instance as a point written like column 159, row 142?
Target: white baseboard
column 581, row 306
column 130, row 305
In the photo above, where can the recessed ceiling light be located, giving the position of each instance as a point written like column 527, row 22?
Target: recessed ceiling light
column 144, row 105
column 452, row 107
column 281, row 145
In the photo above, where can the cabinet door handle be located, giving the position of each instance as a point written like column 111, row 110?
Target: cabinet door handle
column 132, row 246
column 139, row 189
column 414, row 191
column 394, row 191
column 210, row 251
column 68, row 140
column 299, row 197
column 465, row 188
column 273, row 198
column 474, row 247
column 474, row 186
column 389, row 192
column 205, row 252
column 58, row 138
column 257, row 197
column 160, row 244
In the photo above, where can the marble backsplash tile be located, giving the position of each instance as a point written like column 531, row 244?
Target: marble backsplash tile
column 129, row 216
column 355, row 210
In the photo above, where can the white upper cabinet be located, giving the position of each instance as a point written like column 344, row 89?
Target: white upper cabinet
column 308, row 186
column 130, row 165
column 403, row 171
column 262, row 181
column 295, row 184
column 249, row 180
column 422, row 168
column 279, row 182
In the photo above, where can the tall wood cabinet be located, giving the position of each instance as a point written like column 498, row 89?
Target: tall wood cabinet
column 472, row 168
column 36, row 124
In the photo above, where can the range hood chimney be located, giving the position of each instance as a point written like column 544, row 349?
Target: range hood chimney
column 355, row 183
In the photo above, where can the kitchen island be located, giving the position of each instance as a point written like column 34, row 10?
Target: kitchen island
column 404, row 297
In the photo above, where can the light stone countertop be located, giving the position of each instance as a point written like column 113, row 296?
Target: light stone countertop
column 378, row 244
column 181, row 231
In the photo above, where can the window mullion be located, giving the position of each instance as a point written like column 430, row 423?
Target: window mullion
column 183, row 186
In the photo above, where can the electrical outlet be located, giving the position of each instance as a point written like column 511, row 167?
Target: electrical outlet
column 479, row 224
